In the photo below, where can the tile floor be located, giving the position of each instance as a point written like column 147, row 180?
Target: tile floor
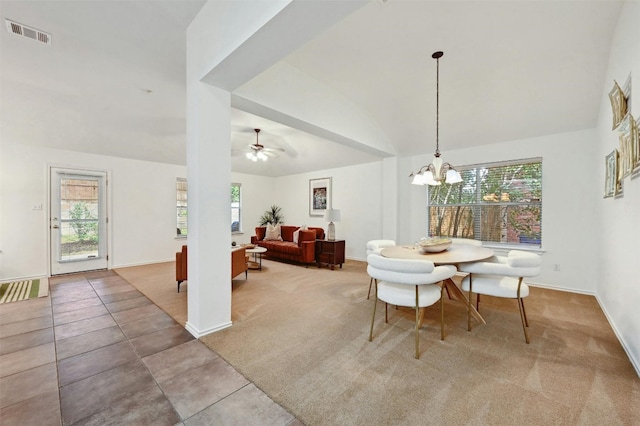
column 97, row 351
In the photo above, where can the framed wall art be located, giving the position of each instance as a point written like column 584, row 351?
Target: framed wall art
column 319, row 196
column 618, row 104
column 611, row 174
column 625, row 162
column 635, row 146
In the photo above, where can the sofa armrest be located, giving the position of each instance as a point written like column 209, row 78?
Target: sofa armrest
column 239, row 262
column 308, row 251
column 181, row 266
column 306, row 235
column 307, row 242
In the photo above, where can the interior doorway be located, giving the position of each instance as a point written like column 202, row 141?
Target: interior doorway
column 77, row 220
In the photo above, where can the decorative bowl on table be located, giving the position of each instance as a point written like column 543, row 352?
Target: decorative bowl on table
column 434, row 245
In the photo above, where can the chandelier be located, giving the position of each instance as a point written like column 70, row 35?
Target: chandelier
column 437, row 171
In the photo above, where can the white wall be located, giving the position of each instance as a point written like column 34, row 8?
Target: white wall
column 257, row 195
column 356, row 191
column 618, row 229
column 141, row 207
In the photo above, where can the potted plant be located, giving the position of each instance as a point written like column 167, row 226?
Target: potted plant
column 273, row 216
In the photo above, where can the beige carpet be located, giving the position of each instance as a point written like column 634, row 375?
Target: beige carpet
column 300, row 334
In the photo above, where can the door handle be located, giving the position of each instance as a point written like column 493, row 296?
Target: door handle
column 55, row 227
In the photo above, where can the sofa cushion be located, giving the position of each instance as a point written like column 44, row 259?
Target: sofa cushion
column 286, row 247
column 319, row 233
column 286, row 231
column 261, row 232
column 273, row 233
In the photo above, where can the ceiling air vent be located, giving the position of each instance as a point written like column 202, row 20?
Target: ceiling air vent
column 32, row 33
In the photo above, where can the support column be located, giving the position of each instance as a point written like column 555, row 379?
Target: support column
column 209, row 183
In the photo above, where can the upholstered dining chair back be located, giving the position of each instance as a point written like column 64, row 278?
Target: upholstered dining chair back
column 468, row 241
column 376, row 246
column 408, row 282
column 503, row 276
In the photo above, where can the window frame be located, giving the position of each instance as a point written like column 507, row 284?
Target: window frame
column 478, row 207
column 239, row 208
column 184, row 208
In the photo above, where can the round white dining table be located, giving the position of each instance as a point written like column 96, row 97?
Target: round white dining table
column 457, row 253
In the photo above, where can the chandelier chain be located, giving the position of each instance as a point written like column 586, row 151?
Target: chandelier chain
column 438, row 106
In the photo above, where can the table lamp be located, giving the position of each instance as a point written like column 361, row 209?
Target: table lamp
column 332, row 215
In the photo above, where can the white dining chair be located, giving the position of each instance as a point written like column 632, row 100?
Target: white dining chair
column 468, row 241
column 502, row 276
column 408, row 282
column 376, row 246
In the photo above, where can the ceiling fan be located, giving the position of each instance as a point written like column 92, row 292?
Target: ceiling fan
column 259, row 152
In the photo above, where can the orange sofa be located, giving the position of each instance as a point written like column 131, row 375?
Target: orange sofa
column 304, row 251
column 238, row 264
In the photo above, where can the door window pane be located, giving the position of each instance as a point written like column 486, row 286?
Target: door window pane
column 79, row 218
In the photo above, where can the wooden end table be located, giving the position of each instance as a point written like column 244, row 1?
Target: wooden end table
column 330, row 252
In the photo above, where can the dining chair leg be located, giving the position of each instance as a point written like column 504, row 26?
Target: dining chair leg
column 469, row 307
column 526, row 322
column 522, row 318
column 386, row 317
column 442, row 313
column 370, row 283
column 478, row 302
column 417, row 325
column 373, row 318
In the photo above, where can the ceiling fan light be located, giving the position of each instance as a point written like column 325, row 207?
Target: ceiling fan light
column 418, row 179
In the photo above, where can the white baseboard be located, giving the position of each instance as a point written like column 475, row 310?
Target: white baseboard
column 30, row 277
column 200, row 333
column 128, row 265
column 634, row 362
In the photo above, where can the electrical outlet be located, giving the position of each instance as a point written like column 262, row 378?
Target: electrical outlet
column 556, row 267
column 37, row 206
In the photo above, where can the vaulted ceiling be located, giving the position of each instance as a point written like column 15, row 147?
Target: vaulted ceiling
column 112, row 81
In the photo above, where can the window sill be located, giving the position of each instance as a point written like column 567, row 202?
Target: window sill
column 181, row 237
column 507, row 247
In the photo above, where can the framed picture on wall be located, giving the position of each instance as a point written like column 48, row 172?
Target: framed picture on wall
column 618, row 104
column 319, row 196
column 611, row 174
column 625, row 161
column 635, row 146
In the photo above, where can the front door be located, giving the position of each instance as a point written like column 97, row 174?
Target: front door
column 78, row 221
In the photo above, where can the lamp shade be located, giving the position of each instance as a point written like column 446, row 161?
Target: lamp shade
column 332, row 215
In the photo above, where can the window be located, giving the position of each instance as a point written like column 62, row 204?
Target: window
column 494, row 203
column 236, row 217
column 181, row 207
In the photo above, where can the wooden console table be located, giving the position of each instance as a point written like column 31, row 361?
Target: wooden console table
column 330, row 252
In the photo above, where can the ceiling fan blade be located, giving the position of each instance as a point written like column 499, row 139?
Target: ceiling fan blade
column 274, row 149
column 269, row 154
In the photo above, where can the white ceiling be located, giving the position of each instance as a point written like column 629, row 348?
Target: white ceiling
column 511, row 70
